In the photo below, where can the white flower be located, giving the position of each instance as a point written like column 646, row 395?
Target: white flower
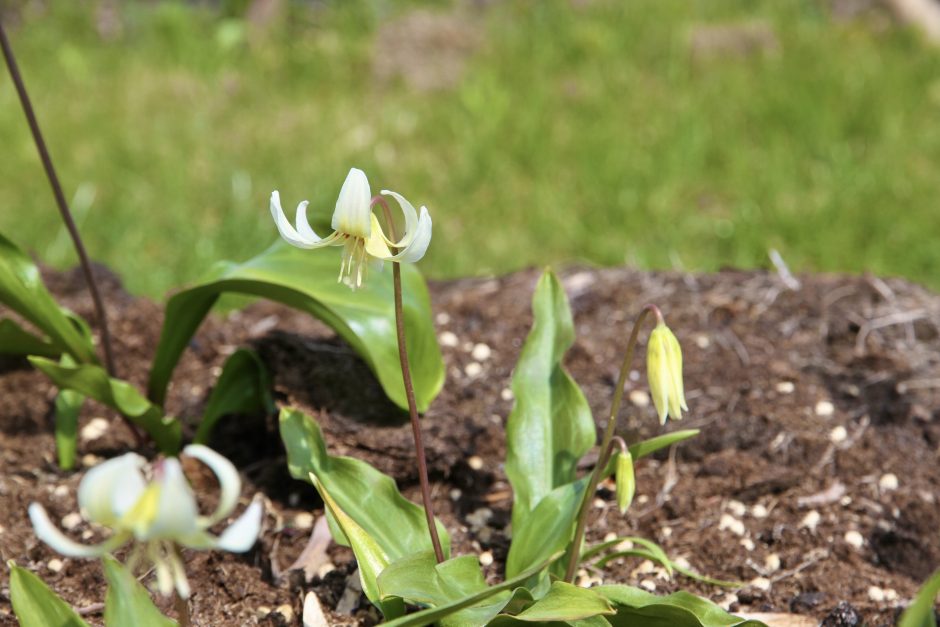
column 664, row 371
column 160, row 515
column 357, row 229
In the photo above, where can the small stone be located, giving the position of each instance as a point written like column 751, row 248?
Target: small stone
column 737, row 508
column 639, row 398
column 888, row 482
column 95, row 428
column 70, row 521
column 60, row 491
column 890, row 594
column 761, row 583
column 838, row 435
column 666, row 532
column 727, row 601
column 811, row 519
column 286, row 611
column 303, row 520
column 624, row 545
column 759, row 511
column 649, row 585
column 702, row 341
column 486, row 558
column 55, row 565
column 732, row 524
column 772, row 563
column 479, row 517
column 785, row 387
column 481, row 352
column 89, row 460
column 600, row 503
column 313, row 612
column 506, row 395
column 442, row 318
column 646, row 567
column 842, row 615
column 473, row 369
column 448, row 339
column 854, row 539
column 88, row 534
column 876, row 594
column 475, row 462
column 681, row 562
column 610, row 537
column 455, row 494
column 825, row 409
column 748, row 544
column 262, row 611
column 325, row 569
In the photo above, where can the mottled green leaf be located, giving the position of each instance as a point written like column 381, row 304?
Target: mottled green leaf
column 128, row 602
column 549, row 528
column 639, row 608
column 564, row 602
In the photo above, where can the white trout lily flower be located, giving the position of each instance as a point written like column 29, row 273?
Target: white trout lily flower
column 664, row 371
column 357, row 229
column 160, row 515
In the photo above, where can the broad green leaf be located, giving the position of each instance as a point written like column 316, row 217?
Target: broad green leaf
column 366, row 495
column 128, row 602
column 420, row 580
column 647, row 447
column 434, row 614
column 15, row 340
column 549, row 528
column 306, row 280
column 243, row 387
column 564, row 602
column 920, row 613
column 93, row 382
column 35, row 605
column 68, row 404
column 22, row 290
column 639, row 608
column 550, row 426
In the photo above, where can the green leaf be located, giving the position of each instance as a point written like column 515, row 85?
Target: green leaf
column 22, row 290
column 68, row 404
column 306, row 280
column 550, row 426
column 128, row 602
column 920, row 613
column 35, row 605
column 244, row 387
column 647, row 447
column 434, row 614
column 564, row 602
column 15, row 340
column 549, row 528
column 639, row 608
column 368, row 496
column 93, row 382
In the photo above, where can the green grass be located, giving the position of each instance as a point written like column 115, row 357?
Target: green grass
column 578, row 133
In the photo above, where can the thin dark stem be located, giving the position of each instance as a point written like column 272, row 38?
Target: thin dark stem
column 605, row 449
column 59, row 197
column 182, row 610
column 410, row 392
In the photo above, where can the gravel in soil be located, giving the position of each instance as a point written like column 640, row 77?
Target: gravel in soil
column 814, row 480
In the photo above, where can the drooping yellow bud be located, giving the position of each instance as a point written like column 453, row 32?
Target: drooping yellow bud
column 626, row 482
column 664, row 371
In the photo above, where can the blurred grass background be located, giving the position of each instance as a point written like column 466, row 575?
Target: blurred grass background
column 660, row 133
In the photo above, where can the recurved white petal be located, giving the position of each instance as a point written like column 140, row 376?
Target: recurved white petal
column 51, row 535
column 176, row 511
column 353, row 205
column 229, row 482
column 419, row 244
column 287, row 230
column 111, row 488
column 242, row 534
column 411, row 219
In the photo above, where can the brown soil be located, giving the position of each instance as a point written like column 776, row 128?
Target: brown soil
column 771, row 375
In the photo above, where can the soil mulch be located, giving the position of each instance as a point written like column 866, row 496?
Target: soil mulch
column 815, row 478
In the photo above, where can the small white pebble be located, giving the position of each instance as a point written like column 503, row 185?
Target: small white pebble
column 811, row 520
column 455, row 494
column 3, row 530
column 702, row 341
column 772, row 563
column 448, row 339
column 825, row 409
column 473, row 369
column 732, row 524
column 642, row 499
column 624, row 545
column 681, row 562
column 890, row 594
column 303, row 520
column 507, row 394
column 639, row 398
column 60, row 491
column 888, row 482
column 648, row 585
column 262, row 611
column 95, row 428
column 286, row 611
column 838, row 435
column 89, row 460
column 748, row 544
column 759, row 511
column 481, row 352
column 475, row 462
column 854, row 539
column 727, row 601
column 486, row 558
column 325, row 569
column 55, row 565
column 876, row 594
column 442, row 318
column 88, row 534
column 645, row 568
column 667, row 532
column 70, row 521
column 600, row 503
column 610, row 537
column 761, row 583
column 737, row 508
column 786, row 387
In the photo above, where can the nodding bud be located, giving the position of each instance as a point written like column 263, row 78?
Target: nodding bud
column 626, row 482
column 664, row 371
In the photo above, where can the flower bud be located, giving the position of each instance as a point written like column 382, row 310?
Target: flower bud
column 664, row 371
column 626, row 483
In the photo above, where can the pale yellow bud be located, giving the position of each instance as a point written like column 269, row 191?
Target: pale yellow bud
column 626, row 482
column 664, row 371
